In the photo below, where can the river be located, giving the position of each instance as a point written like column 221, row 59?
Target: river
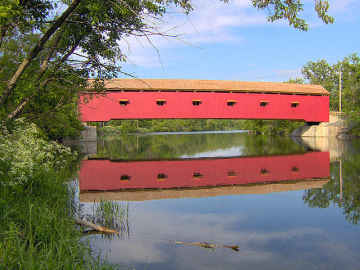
column 225, row 201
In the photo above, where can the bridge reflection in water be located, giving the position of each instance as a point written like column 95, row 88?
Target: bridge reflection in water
column 144, row 180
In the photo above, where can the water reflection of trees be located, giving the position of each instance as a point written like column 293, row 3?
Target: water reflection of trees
column 343, row 190
column 132, row 147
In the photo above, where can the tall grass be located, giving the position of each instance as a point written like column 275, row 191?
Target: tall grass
column 37, row 230
column 112, row 215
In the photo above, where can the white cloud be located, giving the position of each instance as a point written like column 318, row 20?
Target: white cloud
column 212, row 22
column 228, row 152
column 209, row 23
column 153, row 236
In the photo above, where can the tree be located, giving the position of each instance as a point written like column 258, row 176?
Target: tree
column 321, row 72
column 49, row 48
column 296, row 80
column 290, row 10
column 330, row 194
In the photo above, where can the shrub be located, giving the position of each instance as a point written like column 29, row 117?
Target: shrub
column 23, row 149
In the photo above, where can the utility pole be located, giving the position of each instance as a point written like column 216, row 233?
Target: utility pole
column 340, row 86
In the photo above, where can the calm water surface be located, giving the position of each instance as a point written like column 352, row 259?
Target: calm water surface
column 277, row 219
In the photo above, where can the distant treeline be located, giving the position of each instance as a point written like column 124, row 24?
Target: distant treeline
column 271, row 127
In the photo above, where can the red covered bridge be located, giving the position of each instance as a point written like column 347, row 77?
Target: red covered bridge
column 205, row 99
column 112, row 175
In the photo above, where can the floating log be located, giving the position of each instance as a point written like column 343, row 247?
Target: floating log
column 207, row 245
column 95, row 226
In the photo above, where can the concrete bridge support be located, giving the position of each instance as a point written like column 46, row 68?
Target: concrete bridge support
column 88, row 140
column 89, row 134
column 334, row 146
column 336, row 126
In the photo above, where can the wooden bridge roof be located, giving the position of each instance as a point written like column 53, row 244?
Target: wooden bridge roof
column 158, row 194
column 212, row 86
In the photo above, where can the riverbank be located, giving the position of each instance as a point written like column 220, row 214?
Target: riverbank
column 37, row 227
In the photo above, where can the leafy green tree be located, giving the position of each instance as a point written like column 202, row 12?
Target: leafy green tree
column 322, row 73
column 60, row 52
column 346, row 197
column 290, row 10
column 296, row 80
column 327, row 75
column 49, row 49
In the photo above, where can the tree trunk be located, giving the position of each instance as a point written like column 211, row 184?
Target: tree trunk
column 36, row 50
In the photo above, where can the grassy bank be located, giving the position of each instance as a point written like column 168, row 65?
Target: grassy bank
column 37, row 230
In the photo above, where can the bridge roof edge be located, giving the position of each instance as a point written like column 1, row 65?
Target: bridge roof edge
column 212, row 85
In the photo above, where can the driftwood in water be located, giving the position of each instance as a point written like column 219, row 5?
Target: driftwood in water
column 94, row 226
column 206, row 245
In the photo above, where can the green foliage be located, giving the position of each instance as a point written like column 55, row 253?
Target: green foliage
column 49, row 49
column 27, row 14
column 327, row 75
column 296, row 80
column 322, row 73
column 290, row 11
column 349, row 199
column 36, row 224
column 24, row 150
column 159, row 147
column 170, row 125
column 37, row 229
column 110, row 214
column 272, row 127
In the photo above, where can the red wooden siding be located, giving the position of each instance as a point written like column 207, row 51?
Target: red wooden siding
column 202, row 105
column 108, row 175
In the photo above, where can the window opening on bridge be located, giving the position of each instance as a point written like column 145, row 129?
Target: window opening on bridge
column 264, row 103
column 295, row 169
column 231, row 174
column 197, row 175
column 124, row 102
column 162, row 177
column 196, row 102
column 295, row 104
column 231, row 102
column 264, row 172
column 125, row 177
column 160, row 102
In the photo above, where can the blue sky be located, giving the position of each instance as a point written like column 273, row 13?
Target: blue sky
column 234, row 41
